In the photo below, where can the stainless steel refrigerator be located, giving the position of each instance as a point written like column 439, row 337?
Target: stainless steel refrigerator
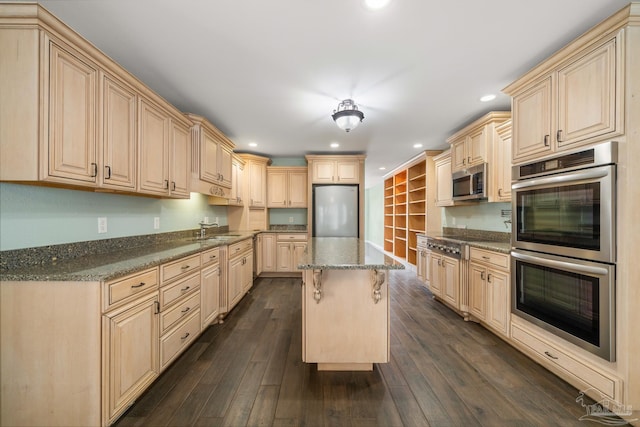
column 335, row 211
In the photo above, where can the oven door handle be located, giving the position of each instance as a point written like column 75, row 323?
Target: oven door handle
column 563, row 265
column 563, row 178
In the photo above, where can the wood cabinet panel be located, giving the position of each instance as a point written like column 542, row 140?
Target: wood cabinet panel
column 269, row 254
column 532, row 115
column 153, row 140
column 73, row 92
column 444, row 182
column 131, row 340
column 478, row 291
column 177, row 340
column 180, row 165
column 277, row 188
column 119, row 134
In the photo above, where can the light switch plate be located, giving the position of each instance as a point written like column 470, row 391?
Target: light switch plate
column 156, row 223
column 102, row 225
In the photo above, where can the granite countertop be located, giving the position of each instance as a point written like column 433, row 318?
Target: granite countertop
column 345, row 253
column 476, row 242
column 109, row 266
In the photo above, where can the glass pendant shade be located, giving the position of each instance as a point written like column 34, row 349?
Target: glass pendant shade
column 347, row 116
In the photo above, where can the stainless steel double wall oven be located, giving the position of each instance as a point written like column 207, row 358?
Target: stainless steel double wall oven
column 564, row 246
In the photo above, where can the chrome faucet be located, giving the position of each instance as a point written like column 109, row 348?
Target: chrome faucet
column 204, row 226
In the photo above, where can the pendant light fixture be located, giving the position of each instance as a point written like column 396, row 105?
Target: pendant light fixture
column 347, row 116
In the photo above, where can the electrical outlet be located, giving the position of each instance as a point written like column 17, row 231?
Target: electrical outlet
column 290, row 220
column 206, row 220
column 453, row 220
column 156, row 223
column 217, row 221
column 102, row 225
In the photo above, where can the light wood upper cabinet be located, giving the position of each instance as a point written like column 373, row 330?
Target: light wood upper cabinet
column 473, row 144
column 257, row 183
column 532, row 118
column 73, row 137
column 286, row 187
column 335, row 169
column 79, row 119
column 212, row 154
column 500, row 170
column 237, row 190
column 153, row 149
column 119, row 134
column 574, row 104
column 180, row 160
column 444, row 182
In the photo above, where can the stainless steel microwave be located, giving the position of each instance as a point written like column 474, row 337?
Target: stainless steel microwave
column 470, row 183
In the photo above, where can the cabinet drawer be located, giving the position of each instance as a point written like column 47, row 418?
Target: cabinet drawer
column 210, row 257
column 489, row 257
column 566, row 363
column 422, row 242
column 172, row 316
column 240, row 247
column 174, row 342
column 171, row 293
column 179, row 268
column 297, row 237
column 131, row 285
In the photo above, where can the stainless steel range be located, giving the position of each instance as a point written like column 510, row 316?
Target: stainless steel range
column 446, row 247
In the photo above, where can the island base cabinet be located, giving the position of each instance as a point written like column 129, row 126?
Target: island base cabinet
column 344, row 326
column 50, row 354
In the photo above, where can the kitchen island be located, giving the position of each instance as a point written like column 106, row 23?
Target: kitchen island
column 345, row 304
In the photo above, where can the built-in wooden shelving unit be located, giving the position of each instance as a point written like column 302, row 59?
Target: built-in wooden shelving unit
column 409, row 206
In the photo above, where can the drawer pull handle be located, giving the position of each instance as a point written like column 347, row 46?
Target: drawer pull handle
column 551, row 355
column 139, row 285
column 184, row 267
column 486, row 257
column 213, row 257
column 546, row 140
column 186, row 310
column 185, row 289
column 185, row 336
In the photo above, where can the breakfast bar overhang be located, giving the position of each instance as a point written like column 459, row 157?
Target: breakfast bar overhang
column 345, row 304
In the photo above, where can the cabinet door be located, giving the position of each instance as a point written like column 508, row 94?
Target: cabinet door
column 153, row 139
column 118, row 127
column 451, row 281
column 444, row 183
column 269, row 252
column 477, row 147
column 501, row 170
column 587, row 96
column 297, row 252
column 435, row 268
column 348, row 171
column 247, row 273
column 532, row 121
column 477, row 291
column 297, row 186
column 73, row 91
column 209, row 294
column 420, row 267
column 499, row 308
column 277, row 195
column 323, row 171
column 209, row 151
column 236, row 184
column 459, row 154
column 180, row 159
column 224, row 165
column 131, row 338
column 235, row 282
column 257, row 184
column 283, row 256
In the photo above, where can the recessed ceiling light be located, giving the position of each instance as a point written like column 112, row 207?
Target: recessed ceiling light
column 382, row 168
column 487, row 98
column 335, row 145
column 376, row 4
column 253, row 144
column 417, row 145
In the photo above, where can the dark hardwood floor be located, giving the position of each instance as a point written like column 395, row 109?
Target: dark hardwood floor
column 443, row 372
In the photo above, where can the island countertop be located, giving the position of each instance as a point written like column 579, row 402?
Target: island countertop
column 345, row 253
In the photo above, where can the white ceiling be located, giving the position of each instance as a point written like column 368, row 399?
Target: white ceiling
column 273, row 71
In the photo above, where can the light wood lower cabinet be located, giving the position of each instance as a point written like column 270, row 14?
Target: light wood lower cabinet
column 240, row 277
column 268, row 252
column 490, row 289
column 210, row 287
column 444, row 278
column 131, row 338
